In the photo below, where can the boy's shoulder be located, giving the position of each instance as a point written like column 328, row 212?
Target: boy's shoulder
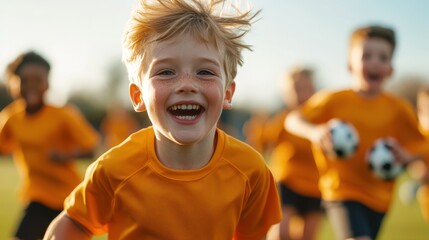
column 240, row 155
column 123, row 160
column 398, row 102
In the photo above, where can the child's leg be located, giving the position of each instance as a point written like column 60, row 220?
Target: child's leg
column 311, row 224
column 353, row 220
column 312, row 215
column 289, row 200
column 285, row 224
column 35, row 221
column 294, row 205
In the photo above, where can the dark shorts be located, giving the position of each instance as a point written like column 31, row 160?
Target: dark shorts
column 303, row 204
column 35, row 221
column 353, row 219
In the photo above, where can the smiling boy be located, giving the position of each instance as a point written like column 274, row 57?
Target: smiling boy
column 355, row 200
column 182, row 178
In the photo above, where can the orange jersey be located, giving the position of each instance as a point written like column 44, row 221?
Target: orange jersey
column 130, row 194
column 35, row 137
column 292, row 158
column 381, row 116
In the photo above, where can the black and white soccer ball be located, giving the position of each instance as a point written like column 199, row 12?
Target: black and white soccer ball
column 382, row 162
column 345, row 139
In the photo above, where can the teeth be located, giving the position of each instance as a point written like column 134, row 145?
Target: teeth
column 186, row 107
column 186, row 117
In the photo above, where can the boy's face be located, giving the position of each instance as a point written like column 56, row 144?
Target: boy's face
column 370, row 64
column 183, row 90
column 33, row 79
column 303, row 88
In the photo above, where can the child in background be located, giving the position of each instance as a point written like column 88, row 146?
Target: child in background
column 356, row 201
column 182, row 178
column 44, row 141
column 420, row 170
column 293, row 164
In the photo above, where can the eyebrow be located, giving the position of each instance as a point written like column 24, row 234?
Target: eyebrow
column 200, row 59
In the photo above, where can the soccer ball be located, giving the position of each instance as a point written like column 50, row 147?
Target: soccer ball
column 382, row 162
column 345, row 139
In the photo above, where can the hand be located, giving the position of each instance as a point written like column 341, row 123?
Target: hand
column 322, row 137
column 419, row 171
column 402, row 156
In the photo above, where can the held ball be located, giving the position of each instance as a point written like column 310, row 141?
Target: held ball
column 345, row 139
column 382, row 162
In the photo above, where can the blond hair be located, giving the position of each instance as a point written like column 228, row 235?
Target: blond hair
column 161, row 20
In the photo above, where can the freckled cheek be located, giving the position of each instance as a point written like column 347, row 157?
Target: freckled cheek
column 215, row 95
column 156, row 96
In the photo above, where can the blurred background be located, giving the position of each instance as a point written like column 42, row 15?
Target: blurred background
column 82, row 41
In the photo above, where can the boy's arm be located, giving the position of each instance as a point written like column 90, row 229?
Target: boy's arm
column 63, row 227
column 315, row 133
column 61, row 157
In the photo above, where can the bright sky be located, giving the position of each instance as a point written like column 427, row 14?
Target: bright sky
column 82, row 39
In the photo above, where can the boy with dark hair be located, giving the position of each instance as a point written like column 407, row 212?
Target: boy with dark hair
column 44, row 141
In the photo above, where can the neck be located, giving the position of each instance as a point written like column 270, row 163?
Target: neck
column 365, row 92
column 34, row 109
column 185, row 157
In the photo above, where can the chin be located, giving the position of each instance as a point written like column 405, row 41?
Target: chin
column 187, row 138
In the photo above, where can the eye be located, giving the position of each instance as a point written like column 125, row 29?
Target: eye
column 366, row 56
column 165, row 73
column 205, row 73
column 384, row 58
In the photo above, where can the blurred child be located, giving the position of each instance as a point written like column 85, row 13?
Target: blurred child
column 419, row 170
column 293, row 163
column 182, row 178
column 355, row 200
column 253, row 130
column 117, row 125
column 44, row 141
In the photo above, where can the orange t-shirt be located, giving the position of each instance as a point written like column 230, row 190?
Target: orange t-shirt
column 35, row 137
column 291, row 158
column 130, row 194
column 381, row 116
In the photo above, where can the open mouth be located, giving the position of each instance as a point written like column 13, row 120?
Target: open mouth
column 186, row 111
column 373, row 77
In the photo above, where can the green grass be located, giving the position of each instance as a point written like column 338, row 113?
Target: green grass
column 402, row 222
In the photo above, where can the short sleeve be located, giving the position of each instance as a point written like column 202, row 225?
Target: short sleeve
column 91, row 202
column 261, row 210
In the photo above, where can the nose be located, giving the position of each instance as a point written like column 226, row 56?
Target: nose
column 187, row 83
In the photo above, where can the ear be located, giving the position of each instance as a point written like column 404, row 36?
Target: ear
column 229, row 93
column 136, row 98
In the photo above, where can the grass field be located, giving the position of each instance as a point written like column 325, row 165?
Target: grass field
column 402, row 223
